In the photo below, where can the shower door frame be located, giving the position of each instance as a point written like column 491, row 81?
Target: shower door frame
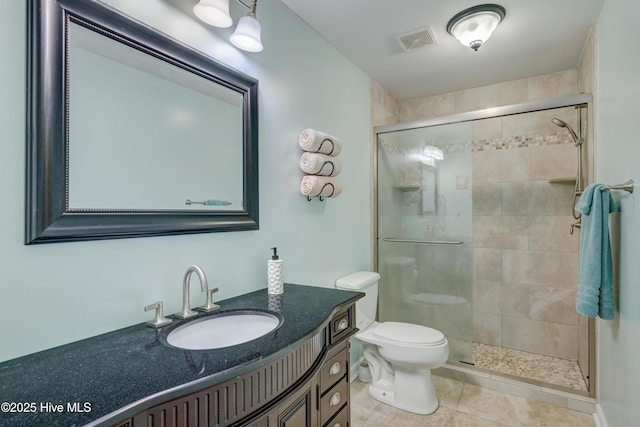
column 583, row 99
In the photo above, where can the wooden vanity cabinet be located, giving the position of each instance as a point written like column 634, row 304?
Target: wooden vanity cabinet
column 308, row 387
column 297, row 410
column 323, row 401
column 334, row 385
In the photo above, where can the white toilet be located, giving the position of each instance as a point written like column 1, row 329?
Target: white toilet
column 400, row 355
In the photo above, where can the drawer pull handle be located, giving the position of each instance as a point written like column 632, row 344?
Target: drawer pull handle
column 335, row 368
column 343, row 324
column 335, row 399
column 336, row 425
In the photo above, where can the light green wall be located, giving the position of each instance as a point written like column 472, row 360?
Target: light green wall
column 58, row 293
column 617, row 154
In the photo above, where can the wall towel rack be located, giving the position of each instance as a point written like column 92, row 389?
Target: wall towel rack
column 626, row 186
column 333, row 190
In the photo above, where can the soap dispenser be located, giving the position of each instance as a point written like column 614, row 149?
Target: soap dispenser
column 274, row 274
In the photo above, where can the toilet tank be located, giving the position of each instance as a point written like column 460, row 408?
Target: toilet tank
column 367, row 282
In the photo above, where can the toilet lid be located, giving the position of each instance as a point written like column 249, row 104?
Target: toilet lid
column 408, row 333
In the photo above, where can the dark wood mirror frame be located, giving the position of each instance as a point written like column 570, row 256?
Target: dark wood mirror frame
column 48, row 217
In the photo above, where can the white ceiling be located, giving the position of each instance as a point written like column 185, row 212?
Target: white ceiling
column 536, row 37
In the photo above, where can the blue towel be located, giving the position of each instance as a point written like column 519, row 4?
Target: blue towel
column 595, row 273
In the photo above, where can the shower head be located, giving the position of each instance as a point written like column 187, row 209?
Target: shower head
column 564, row 124
column 560, row 123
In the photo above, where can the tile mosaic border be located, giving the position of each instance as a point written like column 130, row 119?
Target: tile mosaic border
column 522, row 141
column 477, row 145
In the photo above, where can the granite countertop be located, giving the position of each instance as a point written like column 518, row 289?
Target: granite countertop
column 104, row 379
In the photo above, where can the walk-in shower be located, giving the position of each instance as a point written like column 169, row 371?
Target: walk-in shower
column 473, row 221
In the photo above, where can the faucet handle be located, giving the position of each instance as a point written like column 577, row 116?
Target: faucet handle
column 159, row 320
column 209, row 306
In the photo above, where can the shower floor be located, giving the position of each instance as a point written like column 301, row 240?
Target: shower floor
column 537, row 367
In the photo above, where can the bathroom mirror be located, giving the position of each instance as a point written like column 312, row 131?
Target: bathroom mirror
column 130, row 132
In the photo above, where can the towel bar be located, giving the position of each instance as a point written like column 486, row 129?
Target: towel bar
column 626, row 186
column 426, row 242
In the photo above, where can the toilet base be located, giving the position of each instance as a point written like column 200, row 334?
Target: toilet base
column 408, row 391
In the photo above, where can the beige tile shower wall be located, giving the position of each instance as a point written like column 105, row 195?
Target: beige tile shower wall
column 525, row 260
column 553, row 85
column 385, row 109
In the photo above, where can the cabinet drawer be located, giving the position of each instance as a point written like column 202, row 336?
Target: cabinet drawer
column 334, row 369
column 335, row 399
column 341, row 419
column 341, row 324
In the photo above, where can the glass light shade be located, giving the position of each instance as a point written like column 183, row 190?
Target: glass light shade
column 214, row 12
column 247, row 35
column 474, row 26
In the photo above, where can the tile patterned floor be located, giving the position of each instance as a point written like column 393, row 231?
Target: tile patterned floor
column 464, row 405
column 528, row 365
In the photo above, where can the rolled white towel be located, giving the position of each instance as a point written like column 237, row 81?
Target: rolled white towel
column 320, row 164
column 315, row 141
column 320, row 186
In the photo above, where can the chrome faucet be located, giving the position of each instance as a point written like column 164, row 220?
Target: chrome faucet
column 186, row 310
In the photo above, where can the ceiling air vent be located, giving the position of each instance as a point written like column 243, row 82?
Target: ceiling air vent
column 416, row 39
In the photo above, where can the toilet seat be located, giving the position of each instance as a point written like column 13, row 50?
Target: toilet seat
column 409, row 333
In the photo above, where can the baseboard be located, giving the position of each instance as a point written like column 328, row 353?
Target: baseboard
column 598, row 417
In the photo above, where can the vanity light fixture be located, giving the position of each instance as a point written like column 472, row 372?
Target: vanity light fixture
column 473, row 26
column 247, row 33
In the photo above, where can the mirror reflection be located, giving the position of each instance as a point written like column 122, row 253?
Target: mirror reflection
column 176, row 138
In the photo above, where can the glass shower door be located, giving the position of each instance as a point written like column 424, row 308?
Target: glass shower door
column 424, row 231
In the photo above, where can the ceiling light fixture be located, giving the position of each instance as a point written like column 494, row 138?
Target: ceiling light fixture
column 473, row 26
column 247, row 33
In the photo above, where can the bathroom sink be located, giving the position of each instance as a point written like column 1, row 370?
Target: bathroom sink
column 223, row 330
